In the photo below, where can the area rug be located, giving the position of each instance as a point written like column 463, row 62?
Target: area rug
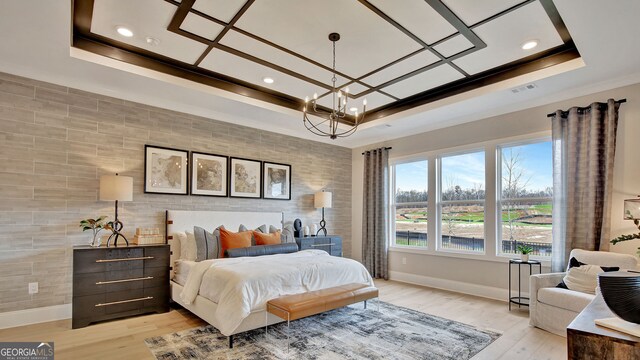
column 392, row 332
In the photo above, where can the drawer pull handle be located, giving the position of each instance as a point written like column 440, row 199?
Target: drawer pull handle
column 317, row 245
column 125, row 301
column 123, row 280
column 124, row 259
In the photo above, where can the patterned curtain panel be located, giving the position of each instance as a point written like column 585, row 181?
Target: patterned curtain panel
column 584, row 144
column 375, row 213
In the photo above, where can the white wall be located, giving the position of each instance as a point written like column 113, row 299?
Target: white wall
column 460, row 273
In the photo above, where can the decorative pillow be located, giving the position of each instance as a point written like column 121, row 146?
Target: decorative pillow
column 287, row 233
column 231, row 240
column 267, row 239
column 262, row 229
column 207, row 244
column 182, row 238
column 582, row 277
column 187, row 245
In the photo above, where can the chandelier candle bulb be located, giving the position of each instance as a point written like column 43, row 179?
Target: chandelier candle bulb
column 315, row 96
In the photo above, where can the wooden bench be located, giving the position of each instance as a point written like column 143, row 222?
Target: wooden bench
column 292, row 307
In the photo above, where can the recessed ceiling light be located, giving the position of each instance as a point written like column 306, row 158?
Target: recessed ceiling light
column 529, row 44
column 267, row 80
column 152, row 41
column 124, row 31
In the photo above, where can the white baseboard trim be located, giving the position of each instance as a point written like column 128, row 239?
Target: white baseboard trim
column 452, row 285
column 34, row 316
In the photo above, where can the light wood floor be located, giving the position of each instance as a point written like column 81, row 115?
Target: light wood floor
column 123, row 339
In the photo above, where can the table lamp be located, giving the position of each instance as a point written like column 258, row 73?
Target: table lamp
column 322, row 199
column 118, row 188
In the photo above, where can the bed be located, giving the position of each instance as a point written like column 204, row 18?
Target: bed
column 212, row 289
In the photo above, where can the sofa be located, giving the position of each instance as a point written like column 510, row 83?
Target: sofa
column 551, row 308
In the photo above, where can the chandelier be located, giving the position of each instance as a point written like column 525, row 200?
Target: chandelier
column 340, row 99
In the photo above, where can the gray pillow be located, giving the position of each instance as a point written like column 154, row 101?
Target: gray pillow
column 207, row 244
column 262, row 228
column 287, row 234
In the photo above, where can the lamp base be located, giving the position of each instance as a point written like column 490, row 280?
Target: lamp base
column 117, row 227
column 322, row 225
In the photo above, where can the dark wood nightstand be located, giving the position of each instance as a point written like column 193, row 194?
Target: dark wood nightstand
column 330, row 243
column 115, row 282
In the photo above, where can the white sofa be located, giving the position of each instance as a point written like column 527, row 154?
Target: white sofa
column 552, row 308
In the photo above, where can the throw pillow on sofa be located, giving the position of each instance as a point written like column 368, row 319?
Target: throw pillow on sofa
column 583, row 277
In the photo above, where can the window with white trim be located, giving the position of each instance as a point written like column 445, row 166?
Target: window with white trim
column 461, row 202
column 525, row 196
column 410, row 184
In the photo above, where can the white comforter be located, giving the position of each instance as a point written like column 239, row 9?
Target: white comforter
column 242, row 285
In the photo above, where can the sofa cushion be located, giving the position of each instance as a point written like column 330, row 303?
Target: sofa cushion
column 565, row 299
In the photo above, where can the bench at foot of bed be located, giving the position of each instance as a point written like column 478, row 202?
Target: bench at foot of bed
column 292, row 307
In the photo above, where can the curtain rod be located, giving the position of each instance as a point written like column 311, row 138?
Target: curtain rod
column 621, row 101
column 386, row 148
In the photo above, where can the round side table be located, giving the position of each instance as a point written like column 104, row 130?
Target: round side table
column 521, row 300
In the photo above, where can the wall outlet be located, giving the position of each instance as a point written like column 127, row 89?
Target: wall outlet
column 33, row 288
column 404, row 261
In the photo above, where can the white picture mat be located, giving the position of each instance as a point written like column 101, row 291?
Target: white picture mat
column 253, row 170
column 195, row 166
column 151, row 156
column 286, row 186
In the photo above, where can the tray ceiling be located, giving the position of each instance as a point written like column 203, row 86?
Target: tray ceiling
column 396, row 54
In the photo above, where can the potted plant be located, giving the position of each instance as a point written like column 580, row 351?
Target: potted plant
column 95, row 225
column 524, row 251
column 622, row 238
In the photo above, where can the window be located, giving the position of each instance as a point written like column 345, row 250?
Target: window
column 409, row 203
column 461, row 202
column 525, row 197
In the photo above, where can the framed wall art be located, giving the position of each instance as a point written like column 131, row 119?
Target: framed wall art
column 165, row 170
column 245, row 178
column 277, row 181
column 209, row 174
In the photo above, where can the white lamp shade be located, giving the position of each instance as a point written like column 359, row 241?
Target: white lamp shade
column 114, row 187
column 322, row 199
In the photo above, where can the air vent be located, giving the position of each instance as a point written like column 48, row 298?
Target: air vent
column 524, row 88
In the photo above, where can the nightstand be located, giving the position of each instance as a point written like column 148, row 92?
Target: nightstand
column 330, row 243
column 116, row 282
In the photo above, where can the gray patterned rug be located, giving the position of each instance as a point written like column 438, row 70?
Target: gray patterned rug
column 348, row 333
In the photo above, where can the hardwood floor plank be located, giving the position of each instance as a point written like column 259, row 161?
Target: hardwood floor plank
column 124, row 339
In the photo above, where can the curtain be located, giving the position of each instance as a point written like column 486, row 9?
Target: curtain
column 584, row 143
column 375, row 209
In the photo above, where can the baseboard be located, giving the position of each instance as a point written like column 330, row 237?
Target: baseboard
column 34, row 316
column 451, row 285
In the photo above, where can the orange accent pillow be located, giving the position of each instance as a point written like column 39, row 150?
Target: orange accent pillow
column 267, row 239
column 231, row 240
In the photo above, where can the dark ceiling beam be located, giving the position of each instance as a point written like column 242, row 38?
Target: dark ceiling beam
column 527, row 65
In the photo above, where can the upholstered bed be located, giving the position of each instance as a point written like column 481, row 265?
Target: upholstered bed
column 231, row 294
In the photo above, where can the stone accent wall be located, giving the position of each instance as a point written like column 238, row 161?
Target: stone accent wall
column 56, row 142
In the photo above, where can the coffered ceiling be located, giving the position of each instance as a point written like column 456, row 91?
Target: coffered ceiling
column 396, row 54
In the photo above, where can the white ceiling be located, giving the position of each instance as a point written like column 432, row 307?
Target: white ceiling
column 603, row 34
column 368, row 42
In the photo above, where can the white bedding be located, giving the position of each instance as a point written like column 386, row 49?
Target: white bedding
column 242, row 285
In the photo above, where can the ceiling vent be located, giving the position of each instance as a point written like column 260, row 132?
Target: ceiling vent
column 524, row 88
